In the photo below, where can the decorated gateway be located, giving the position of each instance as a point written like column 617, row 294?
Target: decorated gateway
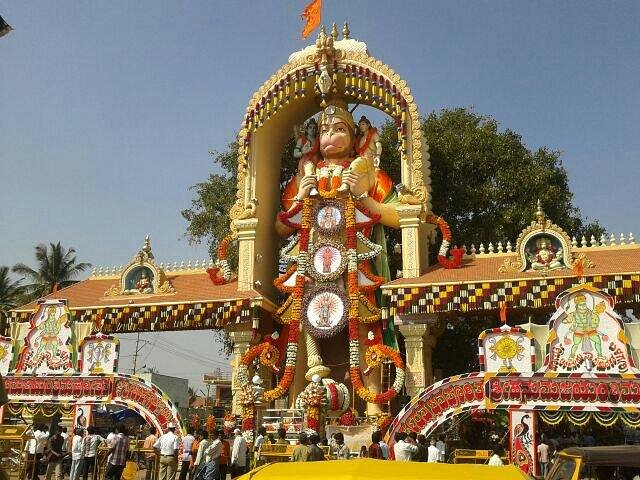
column 312, row 309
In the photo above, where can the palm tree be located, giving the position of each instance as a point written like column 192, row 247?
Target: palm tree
column 10, row 292
column 57, row 268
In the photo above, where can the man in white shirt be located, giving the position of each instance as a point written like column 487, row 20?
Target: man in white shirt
column 495, row 460
column 187, row 443
column 238, row 454
column 401, row 449
column 543, row 457
column 77, row 454
column 442, row 448
column 168, row 445
column 433, row 454
column 212, row 457
column 199, row 462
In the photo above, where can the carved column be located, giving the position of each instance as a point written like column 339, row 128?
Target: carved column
column 241, row 343
column 414, row 341
column 246, row 252
column 410, row 223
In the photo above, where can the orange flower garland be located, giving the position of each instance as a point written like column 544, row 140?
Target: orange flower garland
column 457, row 253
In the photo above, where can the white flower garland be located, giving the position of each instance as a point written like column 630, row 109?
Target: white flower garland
column 374, row 248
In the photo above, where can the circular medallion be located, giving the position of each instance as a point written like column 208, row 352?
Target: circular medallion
column 328, row 217
column 329, row 260
column 325, row 310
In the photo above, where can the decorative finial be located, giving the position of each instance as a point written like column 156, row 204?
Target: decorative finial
column 345, row 31
column 334, row 31
column 539, row 212
column 146, row 248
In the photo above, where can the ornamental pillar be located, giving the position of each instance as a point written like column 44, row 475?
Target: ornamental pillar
column 411, row 248
column 242, row 341
column 416, row 377
column 246, row 252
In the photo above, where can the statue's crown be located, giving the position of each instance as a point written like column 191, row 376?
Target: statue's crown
column 334, row 111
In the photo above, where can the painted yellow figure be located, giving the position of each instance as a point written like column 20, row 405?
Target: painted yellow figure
column 49, row 331
column 584, row 324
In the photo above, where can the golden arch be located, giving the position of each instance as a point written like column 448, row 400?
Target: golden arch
column 290, row 96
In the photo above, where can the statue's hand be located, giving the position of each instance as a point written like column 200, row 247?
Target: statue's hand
column 306, row 149
column 306, row 184
column 358, row 182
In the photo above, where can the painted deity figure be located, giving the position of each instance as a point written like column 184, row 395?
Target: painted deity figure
column 49, row 331
column 142, row 285
column 307, row 148
column 584, row 326
column 546, row 257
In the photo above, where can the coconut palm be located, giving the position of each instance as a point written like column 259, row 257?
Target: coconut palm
column 10, row 294
column 56, row 269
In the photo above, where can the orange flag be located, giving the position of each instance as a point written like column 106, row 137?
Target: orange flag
column 503, row 312
column 311, row 14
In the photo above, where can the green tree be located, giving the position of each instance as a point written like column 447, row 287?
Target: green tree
column 56, row 268
column 10, row 295
column 208, row 215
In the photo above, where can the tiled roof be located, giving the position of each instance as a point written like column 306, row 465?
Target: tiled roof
column 484, row 268
column 189, row 288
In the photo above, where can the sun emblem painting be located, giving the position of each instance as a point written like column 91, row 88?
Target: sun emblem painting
column 506, row 349
column 325, row 312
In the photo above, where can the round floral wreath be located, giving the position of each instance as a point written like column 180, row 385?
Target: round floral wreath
column 328, row 277
column 316, row 211
column 335, row 329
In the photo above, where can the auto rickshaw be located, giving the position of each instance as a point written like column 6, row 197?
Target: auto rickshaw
column 368, row 469
column 596, row 463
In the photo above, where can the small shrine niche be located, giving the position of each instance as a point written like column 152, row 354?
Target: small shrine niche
column 586, row 335
column 544, row 247
column 142, row 276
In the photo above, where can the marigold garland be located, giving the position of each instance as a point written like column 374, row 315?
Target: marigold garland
column 457, row 253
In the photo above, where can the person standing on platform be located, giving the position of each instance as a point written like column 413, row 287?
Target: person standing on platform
column 149, row 456
column 168, row 445
column 238, row 454
column 384, row 447
column 118, row 453
column 91, row 443
column 212, row 457
column 187, row 444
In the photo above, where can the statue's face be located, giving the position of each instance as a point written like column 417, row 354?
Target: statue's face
column 363, row 126
column 336, row 141
column 582, row 306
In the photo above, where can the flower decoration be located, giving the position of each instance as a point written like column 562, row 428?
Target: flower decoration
column 348, row 418
column 328, row 217
column 324, row 310
column 383, row 420
column 194, row 421
column 457, row 253
column 210, row 424
column 329, row 260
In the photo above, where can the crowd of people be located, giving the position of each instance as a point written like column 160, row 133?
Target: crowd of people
column 199, row 455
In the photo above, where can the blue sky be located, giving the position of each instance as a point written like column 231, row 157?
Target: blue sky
column 108, row 109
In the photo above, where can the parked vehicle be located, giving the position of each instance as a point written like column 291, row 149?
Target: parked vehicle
column 596, row 463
